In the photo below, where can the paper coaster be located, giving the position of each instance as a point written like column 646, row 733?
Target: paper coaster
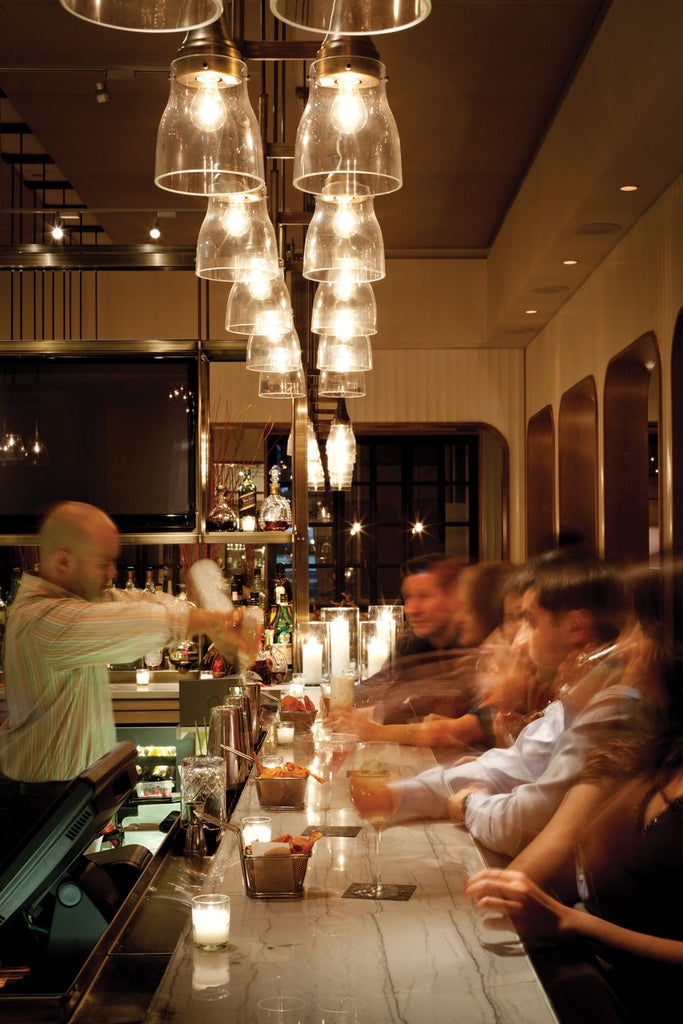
column 340, row 831
column 359, row 891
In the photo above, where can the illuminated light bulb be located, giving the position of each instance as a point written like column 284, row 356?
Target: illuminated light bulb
column 57, row 231
column 344, row 288
column 418, row 527
column 208, row 110
column 355, row 528
column 345, row 221
column 235, row 220
column 259, row 286
column 349, row 113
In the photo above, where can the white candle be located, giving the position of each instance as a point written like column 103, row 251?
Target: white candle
column 340, row 652
column 248, row 524
column 211, row 921
column 377, row 653
column 296, row 687
column 142, row 676
column 285, row 734
column 255, row 830
column 312, row 661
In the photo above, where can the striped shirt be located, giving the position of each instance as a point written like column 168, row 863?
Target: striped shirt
column 57, row 648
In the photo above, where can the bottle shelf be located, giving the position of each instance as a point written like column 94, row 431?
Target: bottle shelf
column 251, row 537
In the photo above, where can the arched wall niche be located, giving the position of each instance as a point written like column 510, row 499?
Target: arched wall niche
column 578, row 463
column 631, row 415
column 540, row 482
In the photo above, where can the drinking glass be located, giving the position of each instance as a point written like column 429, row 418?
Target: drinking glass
column 371, row 767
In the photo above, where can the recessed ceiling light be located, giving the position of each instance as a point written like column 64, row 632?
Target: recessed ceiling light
column 628, row 188
column 531, row 311
column 570, row 263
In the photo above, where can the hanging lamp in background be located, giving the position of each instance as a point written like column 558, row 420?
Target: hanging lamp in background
column 333, row 384
column 344, row 308
column 146, row 15
column 344, row 241
column 258, row 300
column 351, row 17
column 237, row 240
column 36, row 451
column 208, row 141
column 344, row 354
column 314, row 462
column 347, row 135
column 341, row 450
column 275, row 353
column 282, row 385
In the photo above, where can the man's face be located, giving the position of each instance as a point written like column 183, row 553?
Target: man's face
column 93, row 563
column 429, row 610
column 545, row 637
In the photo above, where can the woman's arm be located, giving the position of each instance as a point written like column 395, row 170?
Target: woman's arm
column 438, row 732
column 538, row 916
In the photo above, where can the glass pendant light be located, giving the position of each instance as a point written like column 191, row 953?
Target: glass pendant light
column 344, row 354
column 341, row 450
column 209, row 141
column 351, row 17
column 347, row 132
column 314, row 462
column 276, row 353
column 344, row 241
column 344, row 308
column 282, row 385
column 146, row 15
column 334, row 384
column 258, row 299
column 237, row 240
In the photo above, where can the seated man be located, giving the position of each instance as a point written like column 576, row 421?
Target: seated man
column 573, row 610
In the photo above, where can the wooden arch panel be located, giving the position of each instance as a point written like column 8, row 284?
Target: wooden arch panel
column 540, row 482
column 578, row 463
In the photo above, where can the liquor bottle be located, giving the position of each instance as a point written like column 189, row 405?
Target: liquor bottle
column 222, row 516
column 237, row 591
column 256, row 594
column 276, row 511
column 150, row 587
column 280, row 586
column 130, row 578
column 246, row 502
column 283, row 625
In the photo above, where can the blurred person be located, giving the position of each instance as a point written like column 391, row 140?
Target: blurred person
column 63, row 631
column 574, row 608
column 596, row 896
column 503, row 682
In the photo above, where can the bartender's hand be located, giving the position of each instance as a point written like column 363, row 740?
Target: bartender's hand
column 236, row 631
column 457, row 802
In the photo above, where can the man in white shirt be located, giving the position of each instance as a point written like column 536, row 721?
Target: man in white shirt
column 573, row 609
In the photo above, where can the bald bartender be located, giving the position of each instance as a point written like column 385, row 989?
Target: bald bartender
column 62, row 632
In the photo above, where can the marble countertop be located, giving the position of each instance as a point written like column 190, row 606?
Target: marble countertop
column 388, row 962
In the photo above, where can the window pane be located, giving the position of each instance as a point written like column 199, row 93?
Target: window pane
column 389, row 461
column 388, row 585
column 457, row 510
column 391, row 544
column 389, row 503
column 458, row 542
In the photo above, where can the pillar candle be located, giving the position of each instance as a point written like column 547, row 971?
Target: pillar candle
column 312, row 661
column 340, row 654
column 377, row 653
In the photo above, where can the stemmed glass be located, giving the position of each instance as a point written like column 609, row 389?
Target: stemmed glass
column 371, row 767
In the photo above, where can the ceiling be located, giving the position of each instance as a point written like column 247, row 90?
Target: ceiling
column 473, row 89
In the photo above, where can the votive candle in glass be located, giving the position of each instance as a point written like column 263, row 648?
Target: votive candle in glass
column 211, row 920
column 255, row 829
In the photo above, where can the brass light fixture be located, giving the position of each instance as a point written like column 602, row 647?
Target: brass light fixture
column 146, row 15
column 351, row 17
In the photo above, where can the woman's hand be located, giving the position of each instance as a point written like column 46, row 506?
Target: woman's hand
column 346, row 720
column 535, row 914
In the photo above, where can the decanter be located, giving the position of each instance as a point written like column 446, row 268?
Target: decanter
column 276, row 511
column 221, row 516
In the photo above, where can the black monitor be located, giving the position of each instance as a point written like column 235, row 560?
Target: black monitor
column 53, row 900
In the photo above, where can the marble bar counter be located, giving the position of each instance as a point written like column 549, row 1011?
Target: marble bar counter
column 381, row 962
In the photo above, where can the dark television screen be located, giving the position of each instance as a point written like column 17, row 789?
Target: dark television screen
column 114, row 438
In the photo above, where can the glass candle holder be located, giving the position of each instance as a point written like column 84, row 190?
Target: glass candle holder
column 255, row 829
column 211, row 920
column 203, row 785
column 296, row 687
column 312, row 644
column 343, row 623
column 375, row 646
column 389, row 613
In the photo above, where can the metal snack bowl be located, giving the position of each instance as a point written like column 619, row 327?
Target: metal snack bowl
column 281, row 792
column 274, row 877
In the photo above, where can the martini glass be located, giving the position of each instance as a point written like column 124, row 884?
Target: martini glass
column 371, row 767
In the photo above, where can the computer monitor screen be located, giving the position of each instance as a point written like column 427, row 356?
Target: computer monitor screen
column 65, row 832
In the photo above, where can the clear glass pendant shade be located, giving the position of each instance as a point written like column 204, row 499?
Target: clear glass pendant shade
column 344, row 242
column 146, row 15
column 347, row 131
column 209, row 141
column 278, row 353
column 256, row 301
column 344, row 354
column 314, row 462
column 237, row 240
column 282, row 385
column 344, row 309
column 333, row 384
column 341, row 450
column 351, row 17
